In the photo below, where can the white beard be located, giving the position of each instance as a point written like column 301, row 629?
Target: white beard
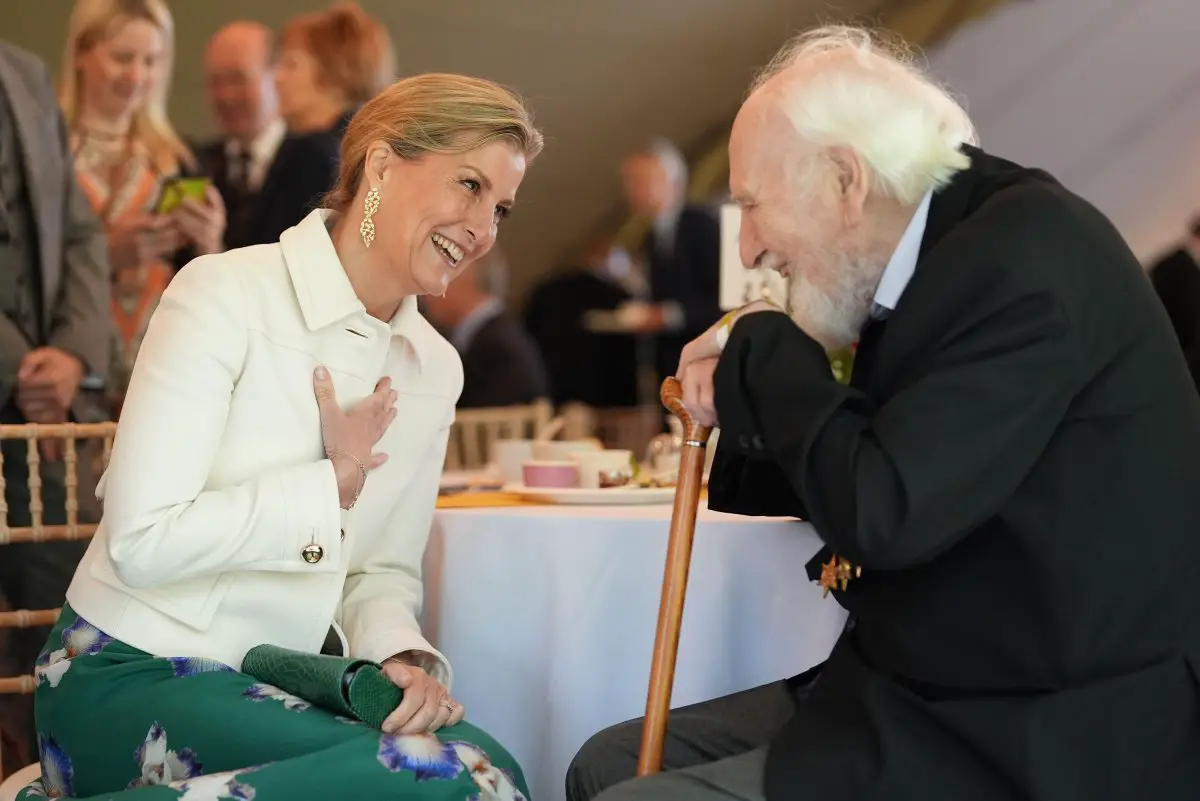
column 834, row 318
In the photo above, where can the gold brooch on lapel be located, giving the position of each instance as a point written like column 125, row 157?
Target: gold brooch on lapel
column 837, row 571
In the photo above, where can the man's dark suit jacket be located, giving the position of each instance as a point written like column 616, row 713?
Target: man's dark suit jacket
column 71, row 248
column 1016, row 469
column 1176, row 279
column 502, row 367
column 690, row 275
column 304, row 169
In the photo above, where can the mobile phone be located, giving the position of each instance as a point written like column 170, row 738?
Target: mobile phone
column 174, row 190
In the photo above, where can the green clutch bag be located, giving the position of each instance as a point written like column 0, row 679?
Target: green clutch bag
column 355, row 688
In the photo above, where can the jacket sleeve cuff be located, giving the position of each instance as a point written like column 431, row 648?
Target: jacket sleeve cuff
column 314, row 518
column 416, row 649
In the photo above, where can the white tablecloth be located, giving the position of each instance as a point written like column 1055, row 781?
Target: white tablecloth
column 548, row 616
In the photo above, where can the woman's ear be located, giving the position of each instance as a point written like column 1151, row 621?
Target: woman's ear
column 376, row 164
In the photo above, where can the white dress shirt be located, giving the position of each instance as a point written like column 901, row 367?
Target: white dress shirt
column 903, row 263
column 222, row 527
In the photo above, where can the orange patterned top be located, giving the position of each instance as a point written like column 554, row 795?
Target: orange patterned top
column 121, row 182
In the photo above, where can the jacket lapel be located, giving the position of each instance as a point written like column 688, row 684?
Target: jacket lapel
column 32, row 132
column 949, row 204
column 276, row 168
column 948, row 207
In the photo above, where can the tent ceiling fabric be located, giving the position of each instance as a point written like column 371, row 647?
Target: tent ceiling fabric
column 602, row 77
column 1103, row 94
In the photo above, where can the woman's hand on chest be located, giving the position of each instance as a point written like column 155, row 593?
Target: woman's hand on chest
column 350, row 436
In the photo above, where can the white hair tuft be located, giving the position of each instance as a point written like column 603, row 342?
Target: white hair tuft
column 871, row 97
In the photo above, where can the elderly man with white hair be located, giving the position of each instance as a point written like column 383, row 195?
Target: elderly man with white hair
column 1008, row 489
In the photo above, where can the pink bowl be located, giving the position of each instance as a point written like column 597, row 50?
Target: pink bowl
column 550, row 475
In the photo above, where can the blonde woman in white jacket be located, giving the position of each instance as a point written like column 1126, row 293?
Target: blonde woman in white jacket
column 274, row 474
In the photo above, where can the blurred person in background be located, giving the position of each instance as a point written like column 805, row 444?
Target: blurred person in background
column 54, row 331
column 330, row 63
column 268, row 178
column 115, row 78
column 682, row 252
column 1176, row 279
column 501, row 363
column 599, row 369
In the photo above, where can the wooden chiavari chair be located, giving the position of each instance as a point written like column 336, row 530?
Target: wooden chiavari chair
column 71, row 434
column 474, row 431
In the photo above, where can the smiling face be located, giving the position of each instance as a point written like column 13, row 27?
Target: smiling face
column 797, row 221
column 440, row 213
column 119, row 71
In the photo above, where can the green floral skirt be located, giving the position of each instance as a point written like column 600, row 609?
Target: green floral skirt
column 115, row 722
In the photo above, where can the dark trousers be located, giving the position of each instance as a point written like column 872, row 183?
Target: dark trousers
column 32, row 576
column 714, row 751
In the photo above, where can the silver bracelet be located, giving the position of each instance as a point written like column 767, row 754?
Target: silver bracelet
column 361, row 469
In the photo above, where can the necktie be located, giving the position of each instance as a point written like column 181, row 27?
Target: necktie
column 239, row 171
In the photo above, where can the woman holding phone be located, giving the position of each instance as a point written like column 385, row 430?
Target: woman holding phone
column 115, row 77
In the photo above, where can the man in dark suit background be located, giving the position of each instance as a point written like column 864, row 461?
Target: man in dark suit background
column 598, row 369
column 56, row 328
column 1008, row 484
column 1176, row 279
column 268, row 178
column 501, row 363
column 682, row 252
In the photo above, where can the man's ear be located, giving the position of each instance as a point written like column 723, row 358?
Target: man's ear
column 853, row 183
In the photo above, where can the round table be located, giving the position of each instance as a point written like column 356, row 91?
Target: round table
column 547, row 614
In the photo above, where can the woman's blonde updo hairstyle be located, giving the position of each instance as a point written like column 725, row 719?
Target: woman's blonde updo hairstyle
column 433, row 113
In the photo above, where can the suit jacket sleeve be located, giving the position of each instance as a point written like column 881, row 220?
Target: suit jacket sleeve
column 701, row 302
column 895, row 486
column 382, row 598
column 80, row 321
column 162, row 523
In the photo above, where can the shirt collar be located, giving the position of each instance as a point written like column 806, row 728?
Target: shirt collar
column 263, row 148
column 463, row 333
column 324, row 292
column 903, row 263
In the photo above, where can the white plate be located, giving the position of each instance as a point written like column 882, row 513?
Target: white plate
column 613, row 496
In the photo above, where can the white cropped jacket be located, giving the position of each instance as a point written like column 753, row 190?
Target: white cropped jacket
column 221, row 527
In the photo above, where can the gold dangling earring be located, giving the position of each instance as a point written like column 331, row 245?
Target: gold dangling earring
column 370, row 206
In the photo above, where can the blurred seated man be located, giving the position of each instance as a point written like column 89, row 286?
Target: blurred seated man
column 1176, row 279
column 1006, row 490
column 501, row 363
column 682, row 252
column 269, row 179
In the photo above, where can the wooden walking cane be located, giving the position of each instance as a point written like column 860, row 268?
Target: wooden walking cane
column 675, row 576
